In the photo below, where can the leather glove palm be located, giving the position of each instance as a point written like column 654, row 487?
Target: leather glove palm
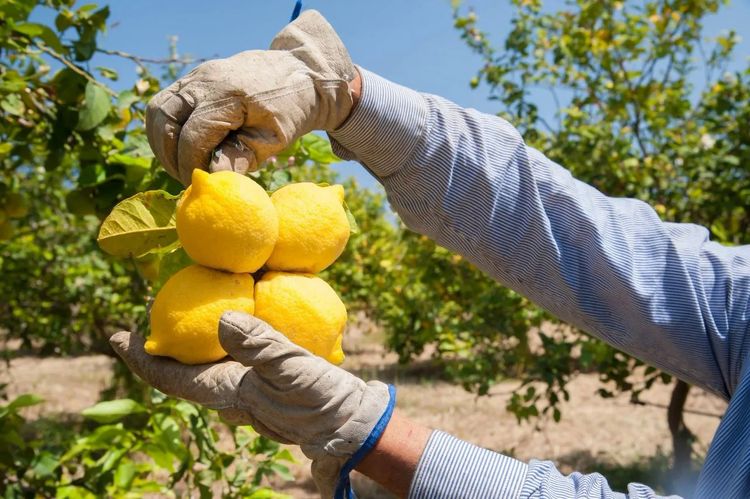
column 282, row 390
column 256, row 102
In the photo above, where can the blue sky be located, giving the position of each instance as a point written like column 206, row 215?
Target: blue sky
column 411, row 42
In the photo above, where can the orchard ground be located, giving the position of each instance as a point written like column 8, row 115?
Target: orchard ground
column 623, row 441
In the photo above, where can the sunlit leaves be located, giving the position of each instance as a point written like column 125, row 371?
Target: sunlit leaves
column 141, row 224
column 95, row 107
column 632, row 99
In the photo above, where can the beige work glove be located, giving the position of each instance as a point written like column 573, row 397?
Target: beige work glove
column 282, row 390
column 254, row 104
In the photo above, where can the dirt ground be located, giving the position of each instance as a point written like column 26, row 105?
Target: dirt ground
column 621, row 440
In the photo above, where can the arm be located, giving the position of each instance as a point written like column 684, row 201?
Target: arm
column 659, row 291
column 411, row 461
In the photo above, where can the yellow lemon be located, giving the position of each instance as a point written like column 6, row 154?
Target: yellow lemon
column 186, row 312
column 15, row 205
column 306, row 309
column 226, row 221
column 313, row 228
column 6, row 230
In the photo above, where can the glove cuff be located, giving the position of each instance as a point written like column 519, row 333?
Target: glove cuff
column 333, row 461
column 344, row 487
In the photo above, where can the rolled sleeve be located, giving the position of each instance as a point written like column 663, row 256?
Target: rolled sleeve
column 385, row 127
column 452, row 468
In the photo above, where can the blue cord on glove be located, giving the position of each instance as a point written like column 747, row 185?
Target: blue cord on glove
column 344, row 487
column 296, row 11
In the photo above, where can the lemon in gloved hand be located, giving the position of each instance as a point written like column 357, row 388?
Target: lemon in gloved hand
column 226, row 221
column 313, row 227
column 305, row 309
column 186, row 312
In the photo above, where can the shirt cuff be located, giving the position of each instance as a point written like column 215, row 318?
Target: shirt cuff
column 385, row 127
column 452, row 468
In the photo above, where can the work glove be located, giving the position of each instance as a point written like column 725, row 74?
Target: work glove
column 283, row 391
column 254, row 104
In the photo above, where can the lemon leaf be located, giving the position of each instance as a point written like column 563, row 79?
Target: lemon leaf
column 353, row 227
column 279, row 179
column 140, row 224
column 112, row 410
column 95, row 107
column 170, row 264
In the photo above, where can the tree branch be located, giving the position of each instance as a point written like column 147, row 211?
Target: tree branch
column 73, row 67
column 142, row 61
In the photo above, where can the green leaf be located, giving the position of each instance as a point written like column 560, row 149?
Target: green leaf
column 140, row 224
column 170, row 264
column 279, row 178
column 12, row 104
column 95, row 107
column 44, row 33
column 282, row 471
column 45, row 465
column 125, row 474
column 318, row 149
column 126, row 98
column 353, row 227
column 107, row 73
column 112, row 410
column 73, row 492
column 285, row 455
column 161, row 457
column 25, row 400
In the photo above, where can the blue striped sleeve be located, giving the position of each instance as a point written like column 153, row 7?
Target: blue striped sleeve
column 452, row 468
column 660, row 291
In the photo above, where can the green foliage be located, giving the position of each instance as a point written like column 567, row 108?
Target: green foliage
column 71, row 148
column 128, row 448
column 624, row 115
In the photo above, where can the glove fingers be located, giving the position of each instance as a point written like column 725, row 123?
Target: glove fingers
column 165, row 114
column 203, row 131
column 212, row 385
column 234, row 155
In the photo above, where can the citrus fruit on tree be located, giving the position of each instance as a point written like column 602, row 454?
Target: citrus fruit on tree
column 313, row 227
column 305, row 309
column 226, row 221
column 15, row 205
column 186, row 312
column 6, row 230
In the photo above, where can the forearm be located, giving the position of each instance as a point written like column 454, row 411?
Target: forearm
column 393, row 461
column 410, row 460
column 606, row 265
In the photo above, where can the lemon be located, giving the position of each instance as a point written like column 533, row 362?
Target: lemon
column 313, row 227
column 305, row 309
column 6, row 230
column 226, row 221
column 186, row 312
column 15, row 206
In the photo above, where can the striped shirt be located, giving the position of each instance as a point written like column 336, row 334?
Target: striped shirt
column 662, row 292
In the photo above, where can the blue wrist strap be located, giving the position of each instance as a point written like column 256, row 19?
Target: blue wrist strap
column 344, row 487
column 296, row 11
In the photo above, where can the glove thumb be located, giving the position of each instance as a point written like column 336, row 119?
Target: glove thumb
column 254, row 343
column 311, row 39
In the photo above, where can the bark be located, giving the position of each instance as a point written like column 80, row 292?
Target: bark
column 682, row 438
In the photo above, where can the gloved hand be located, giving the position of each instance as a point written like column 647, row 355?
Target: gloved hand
column 254, row 103
column 282, row 390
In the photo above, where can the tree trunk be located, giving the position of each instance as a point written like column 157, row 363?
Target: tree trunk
column 682, row 439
